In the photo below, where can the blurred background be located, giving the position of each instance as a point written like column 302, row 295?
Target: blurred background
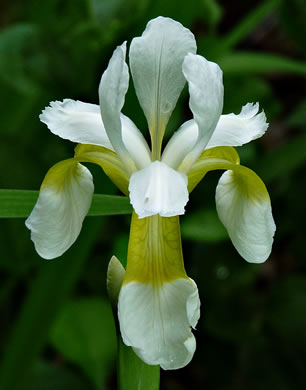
column 56, row 329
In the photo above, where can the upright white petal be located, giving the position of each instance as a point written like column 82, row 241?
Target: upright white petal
column 77, row 121
column 135, row 143
column 157, row 321
column 64, row 200
column 156, row 64
column 237, row 130
column 244, row 207
column 113, row 87
column 158, row 189
column 180, row 144
column 206, row 97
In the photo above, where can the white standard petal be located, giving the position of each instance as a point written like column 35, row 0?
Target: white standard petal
column 237, row 130
column 244, row 207
column 206, row 97
column 135, row 143
column 180, row 144
column 156, row 64
column 77, row 121
column 112, row 89
column 158, row 189
column 63, row 202
column 156, row 321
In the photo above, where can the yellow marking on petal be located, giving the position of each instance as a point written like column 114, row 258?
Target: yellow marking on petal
column 56, row 177
column 108, row 161
column 157, row 130
column 220, row 157
column 155, row 251
column 227, row 158
column 250, row 184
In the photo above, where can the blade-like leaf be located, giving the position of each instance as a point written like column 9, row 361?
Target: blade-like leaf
column 19, row 204
column 248, row 23
column 248, row 62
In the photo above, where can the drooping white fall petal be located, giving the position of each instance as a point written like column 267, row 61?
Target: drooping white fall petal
column 244, row 207
column 158, row 189
column 157, row 321
column 64, row 200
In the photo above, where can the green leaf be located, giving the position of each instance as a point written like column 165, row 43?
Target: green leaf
column 213, row 12
column 48, row 293
column 248, row 24
column 134, row 373
column 19, row 204
column 109, row 205
column 248, row 62
column 84, row 333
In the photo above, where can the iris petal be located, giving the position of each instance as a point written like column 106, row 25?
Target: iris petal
column 244, row 207
column 158, row 303
column 237, row 130
column 158, row 189
column 231, row 130
column 156, row 64
column 112, row 89
column 77, row 121
column 156, row 322
column 63, row 202
column 206, row 99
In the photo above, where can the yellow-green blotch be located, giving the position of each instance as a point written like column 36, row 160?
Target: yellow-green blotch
column 155, row 251
column 58, row 176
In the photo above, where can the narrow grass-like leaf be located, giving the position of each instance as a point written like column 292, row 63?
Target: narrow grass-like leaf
column 248, row 24
column 109, row 205
column 248, row 62
column 133, row 373
column 19, row 204
column 48, row 293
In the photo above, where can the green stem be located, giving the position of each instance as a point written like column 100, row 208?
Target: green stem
column 133, row 373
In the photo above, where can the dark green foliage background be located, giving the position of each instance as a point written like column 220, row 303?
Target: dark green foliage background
column 54, row 333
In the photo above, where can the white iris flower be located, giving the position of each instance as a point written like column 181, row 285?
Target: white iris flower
column 158, row 303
